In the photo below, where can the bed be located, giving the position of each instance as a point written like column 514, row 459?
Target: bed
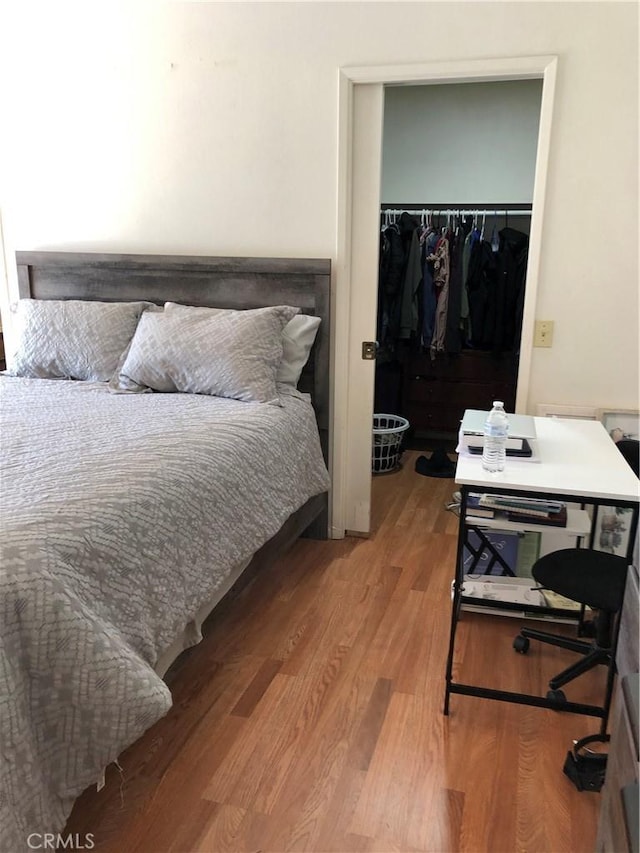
column 127, row 516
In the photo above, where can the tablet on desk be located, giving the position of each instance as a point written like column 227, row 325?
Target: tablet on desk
column 520, row 426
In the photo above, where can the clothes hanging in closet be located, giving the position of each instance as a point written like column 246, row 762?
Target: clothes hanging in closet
column 429, row 302
column 441, row 271
column 400, row 276
column 495, row 288
column 450, row 288
column 457, row 290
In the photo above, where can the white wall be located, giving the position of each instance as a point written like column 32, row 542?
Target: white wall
column 212, row 128
column 472, row 143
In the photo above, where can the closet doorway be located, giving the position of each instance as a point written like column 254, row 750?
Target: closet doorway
column 458, row 168
column 359, row 196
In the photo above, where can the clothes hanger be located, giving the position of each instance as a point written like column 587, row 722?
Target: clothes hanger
column 495, row 239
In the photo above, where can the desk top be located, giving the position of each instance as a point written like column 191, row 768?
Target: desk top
column 577, row 457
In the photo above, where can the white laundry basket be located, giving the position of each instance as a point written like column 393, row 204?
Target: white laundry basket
column 387, row 439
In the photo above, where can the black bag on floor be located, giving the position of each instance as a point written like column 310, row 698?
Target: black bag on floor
column 585, row 768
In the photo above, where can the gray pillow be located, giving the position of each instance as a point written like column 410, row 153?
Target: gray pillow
column 72, row 339
column 230, row 354
column 297, row 340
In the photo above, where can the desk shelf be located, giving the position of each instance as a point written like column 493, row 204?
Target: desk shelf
column 578, row 524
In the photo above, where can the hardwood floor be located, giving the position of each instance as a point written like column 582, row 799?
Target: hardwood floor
column 310, row 717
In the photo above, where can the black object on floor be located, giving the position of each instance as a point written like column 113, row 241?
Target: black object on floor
column 586, row 768
column 437, row 465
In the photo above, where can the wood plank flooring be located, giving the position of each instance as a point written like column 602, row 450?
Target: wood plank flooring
column 310, row 717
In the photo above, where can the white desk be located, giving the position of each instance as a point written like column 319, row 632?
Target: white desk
column 577, row 458
column 578, row 462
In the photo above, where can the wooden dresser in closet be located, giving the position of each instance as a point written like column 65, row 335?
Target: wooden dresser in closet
column 436, row 393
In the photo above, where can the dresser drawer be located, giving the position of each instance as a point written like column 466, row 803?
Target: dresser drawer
column 425, row 389
column 622, row 770
column 477, row 395
column 472, row 366
column 628, row 643
column 435, row 394
column 443, row 418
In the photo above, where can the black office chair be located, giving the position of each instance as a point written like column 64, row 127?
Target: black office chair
column 630, row 449
column 595, row 579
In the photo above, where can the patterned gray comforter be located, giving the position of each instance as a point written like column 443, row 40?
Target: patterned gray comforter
column 120, row 515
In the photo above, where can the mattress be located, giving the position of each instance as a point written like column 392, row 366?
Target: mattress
column 122, row 516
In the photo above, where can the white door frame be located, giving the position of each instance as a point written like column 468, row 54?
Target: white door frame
column 351, row 498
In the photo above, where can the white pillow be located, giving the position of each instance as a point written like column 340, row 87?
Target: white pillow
column 72, row 338
column 298, row 337
column 231, row 354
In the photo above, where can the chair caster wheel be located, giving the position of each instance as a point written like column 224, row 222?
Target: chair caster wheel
column 556, row 696
column 521, row 644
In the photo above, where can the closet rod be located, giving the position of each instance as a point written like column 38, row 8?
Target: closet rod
column 478, row 211
column 519, row 207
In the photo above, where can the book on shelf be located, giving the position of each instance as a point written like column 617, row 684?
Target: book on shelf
column 528, row 553
column 553, row 519
column 476, row 510
column 529, row 506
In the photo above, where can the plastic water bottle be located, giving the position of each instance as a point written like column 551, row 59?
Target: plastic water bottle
column 496, row 430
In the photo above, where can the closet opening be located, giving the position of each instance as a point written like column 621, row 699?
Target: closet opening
column 362, row 94
column 457, row 184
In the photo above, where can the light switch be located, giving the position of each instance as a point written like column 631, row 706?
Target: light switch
column 543, row 336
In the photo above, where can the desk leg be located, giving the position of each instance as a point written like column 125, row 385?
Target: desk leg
column 457, row 597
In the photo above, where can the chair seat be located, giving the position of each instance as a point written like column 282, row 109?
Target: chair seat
column 594, row 578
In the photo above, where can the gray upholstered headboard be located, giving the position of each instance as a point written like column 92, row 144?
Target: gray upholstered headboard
column 194, row 280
